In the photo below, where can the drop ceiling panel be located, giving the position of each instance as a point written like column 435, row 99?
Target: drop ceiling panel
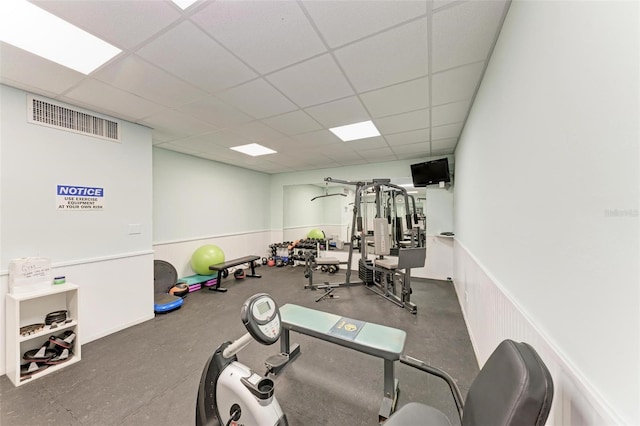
column 319, row 138
column 268, row 35
column 388, row 58
column 460, row 33
column 342, row 152
column 258, row 99
column 368, row 143
column 456, row 84
column 449, row 113
column 293, row 123
column 200, row 143
column 446, row 131
column 403, row 138
column 398, row 98
column 421, row 148
column 18, row 65
column 241, row 69
column 312, row 82
column 381, row 154
column 403, row 122
column 449, row 143
column 134, row 75
column 124, row 24
column 178, row 124
column 213, row 110
column 338, row 113
column 117, row 102
column 257, row 131
column 171, row 147
column 204, row 64
column 341, row 22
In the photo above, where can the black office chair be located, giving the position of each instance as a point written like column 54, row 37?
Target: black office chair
column 513, row 388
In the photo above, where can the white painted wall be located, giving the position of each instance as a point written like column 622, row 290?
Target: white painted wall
column 547, row 198
column 94, row 249
column 198, row 202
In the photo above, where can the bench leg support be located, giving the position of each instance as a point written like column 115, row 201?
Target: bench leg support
column 390, row 391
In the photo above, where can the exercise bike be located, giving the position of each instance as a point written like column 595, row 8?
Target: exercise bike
column 232, row 394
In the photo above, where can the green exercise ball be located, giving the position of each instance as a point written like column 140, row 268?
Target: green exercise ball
column 206, row 256
column 315, row 234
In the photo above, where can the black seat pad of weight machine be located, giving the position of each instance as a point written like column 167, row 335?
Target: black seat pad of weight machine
column 164, row 277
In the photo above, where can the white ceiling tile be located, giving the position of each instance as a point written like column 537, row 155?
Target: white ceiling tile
column 136, row 76
column 293, row 123
column 379, row 61
column 19, row 65
column 449, row 113
column 456, row 84
column 117, row 102
column 368, row 143
column 177, row 148
column 397, row 99
column 342, row 152
column 268, row 35
column 339, row 113
column 312, row 82
column 341, row 22
column 421, row 148
column 216, row 112
column 256, row 131
column 403, row 122
column 228, row 139
column 377, row 154
column 446, row 151
column 117, row 22
column 446, row 131
column 437, row 4
column 403, row 138
column 192, row 55
column 199, row 143
column 175, row 123
column 319, row 138
column 258, row 99
column 449, row 143
column 464, row 33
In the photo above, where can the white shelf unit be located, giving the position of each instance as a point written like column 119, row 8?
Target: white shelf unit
column 31, row 308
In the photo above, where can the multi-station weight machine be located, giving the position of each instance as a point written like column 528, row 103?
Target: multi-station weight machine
column 384, row 235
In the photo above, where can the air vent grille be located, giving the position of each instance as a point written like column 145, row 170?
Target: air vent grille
column 49, row 114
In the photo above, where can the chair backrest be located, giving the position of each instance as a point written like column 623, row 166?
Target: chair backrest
column 514, row 387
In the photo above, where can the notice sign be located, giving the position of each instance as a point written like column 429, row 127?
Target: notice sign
column 79, row 198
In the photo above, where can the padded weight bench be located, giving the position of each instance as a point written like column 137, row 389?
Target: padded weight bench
column 231, row 263
column 369, row 338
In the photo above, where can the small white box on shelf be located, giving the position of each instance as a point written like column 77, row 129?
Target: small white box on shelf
column 28, row 274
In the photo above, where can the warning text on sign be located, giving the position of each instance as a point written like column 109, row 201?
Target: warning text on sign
column 78, row 198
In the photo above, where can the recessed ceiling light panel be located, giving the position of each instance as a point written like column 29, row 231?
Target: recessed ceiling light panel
column 352, row 132
column 253, row 149
column 184, row 4
column 26, row 26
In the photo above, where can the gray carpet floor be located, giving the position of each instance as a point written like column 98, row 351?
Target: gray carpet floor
column 149, row 374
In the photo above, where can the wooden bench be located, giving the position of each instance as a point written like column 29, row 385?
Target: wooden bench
column 220, row 267
column 369, row 338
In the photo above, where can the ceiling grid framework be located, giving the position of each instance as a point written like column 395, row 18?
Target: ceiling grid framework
column 278, row 73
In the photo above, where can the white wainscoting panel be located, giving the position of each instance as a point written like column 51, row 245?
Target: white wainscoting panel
column 178, row 253
column 492, row 316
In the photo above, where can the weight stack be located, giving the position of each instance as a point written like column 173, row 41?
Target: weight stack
column 366, row 275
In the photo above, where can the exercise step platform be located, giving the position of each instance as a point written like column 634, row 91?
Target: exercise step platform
column 366, row 337
column 197, row 281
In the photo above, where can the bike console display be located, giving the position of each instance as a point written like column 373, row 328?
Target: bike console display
column 261, row 316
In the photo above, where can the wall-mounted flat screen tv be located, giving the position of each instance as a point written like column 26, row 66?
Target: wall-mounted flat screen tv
column 430, row 172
